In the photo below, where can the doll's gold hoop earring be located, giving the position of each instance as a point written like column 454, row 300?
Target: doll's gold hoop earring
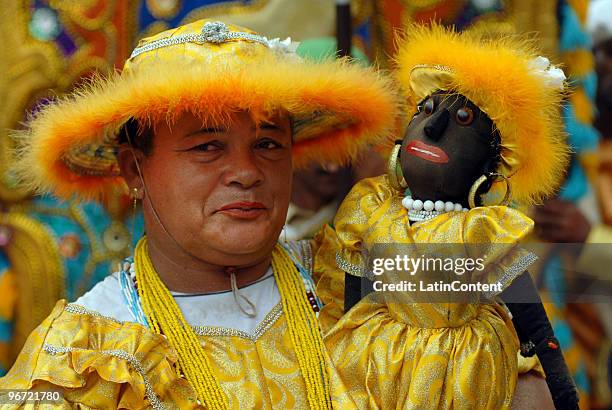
column 482, row 180
column 394, row 170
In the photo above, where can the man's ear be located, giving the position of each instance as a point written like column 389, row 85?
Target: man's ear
column 130, row 162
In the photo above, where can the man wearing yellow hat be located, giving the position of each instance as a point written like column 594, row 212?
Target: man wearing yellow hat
column 212, row 311
column 204, row 125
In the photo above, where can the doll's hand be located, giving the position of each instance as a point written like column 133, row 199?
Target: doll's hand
column 561, row 221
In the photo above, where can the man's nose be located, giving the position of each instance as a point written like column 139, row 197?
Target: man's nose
column 437, row 125
column 243, row 169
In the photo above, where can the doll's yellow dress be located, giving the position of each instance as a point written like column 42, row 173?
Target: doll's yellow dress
column 426, row 355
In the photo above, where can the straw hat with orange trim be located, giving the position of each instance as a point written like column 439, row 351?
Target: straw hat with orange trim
column 210, row 69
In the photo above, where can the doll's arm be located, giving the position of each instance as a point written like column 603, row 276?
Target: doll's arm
column 355, row 289
column 534, row 328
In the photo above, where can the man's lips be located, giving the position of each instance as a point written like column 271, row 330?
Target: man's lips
column 243, row 210
column 427, row 152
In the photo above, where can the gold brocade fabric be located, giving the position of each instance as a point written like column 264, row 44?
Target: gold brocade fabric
column 374, row 357
column 104, row 364
column 420, row 355
column 108, row 365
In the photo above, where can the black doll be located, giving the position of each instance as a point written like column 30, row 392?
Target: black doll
column 486, row 129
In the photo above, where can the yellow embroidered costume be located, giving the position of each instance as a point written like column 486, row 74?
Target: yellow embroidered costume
column 413, row 350
column 428, row 354
column 129, row 342
column 102, row 362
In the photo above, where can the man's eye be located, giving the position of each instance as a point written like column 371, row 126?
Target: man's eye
column 206, row 147
column 268, row 144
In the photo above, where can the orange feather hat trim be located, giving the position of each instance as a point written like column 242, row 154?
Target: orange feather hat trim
column 337, row 108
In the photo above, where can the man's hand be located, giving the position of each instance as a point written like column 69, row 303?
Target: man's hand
column 561, row 221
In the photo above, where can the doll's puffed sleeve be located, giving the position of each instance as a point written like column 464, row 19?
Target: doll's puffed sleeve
column 361, row 209
column 329, row 278
column 339, row 250
column 494, row 234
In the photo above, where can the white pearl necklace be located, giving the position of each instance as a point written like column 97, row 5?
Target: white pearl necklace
column 419, row 211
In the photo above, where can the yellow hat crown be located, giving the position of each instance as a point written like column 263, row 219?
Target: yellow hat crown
column 207, row 42
column 212, row 32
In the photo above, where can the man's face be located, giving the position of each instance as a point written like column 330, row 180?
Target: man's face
column 603, row 66
column 222, row 192
column 445, row 148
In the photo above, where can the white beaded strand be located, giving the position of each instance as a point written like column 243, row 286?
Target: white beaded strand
column 419, row 210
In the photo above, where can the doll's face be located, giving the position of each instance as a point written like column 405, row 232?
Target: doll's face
column 446, row 147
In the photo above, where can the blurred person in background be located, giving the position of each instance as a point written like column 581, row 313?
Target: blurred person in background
column 315, row 197
column 577, row 217
column 318, row 189
column 600, row 27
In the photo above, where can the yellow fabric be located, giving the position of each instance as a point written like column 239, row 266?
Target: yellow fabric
column 251, row 371
column 423, row 355
column 165, row 317
column 330, row 289
column 530, row 365
column 372, row 213
column 262, row 373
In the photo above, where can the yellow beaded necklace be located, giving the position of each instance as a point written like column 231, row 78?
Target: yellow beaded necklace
column 164, row 315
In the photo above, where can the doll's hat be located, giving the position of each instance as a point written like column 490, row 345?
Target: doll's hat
column 520, row 91
column 211, row 70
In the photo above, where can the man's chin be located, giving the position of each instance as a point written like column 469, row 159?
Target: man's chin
column 248, row 242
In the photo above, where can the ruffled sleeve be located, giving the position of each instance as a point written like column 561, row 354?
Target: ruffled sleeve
column 494, row 233
column 339, row 249
column 364, row 205
column 491, row 234
column 329, row 277
column 97, row 362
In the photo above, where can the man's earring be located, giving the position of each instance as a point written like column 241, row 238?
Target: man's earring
column 135, row 194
